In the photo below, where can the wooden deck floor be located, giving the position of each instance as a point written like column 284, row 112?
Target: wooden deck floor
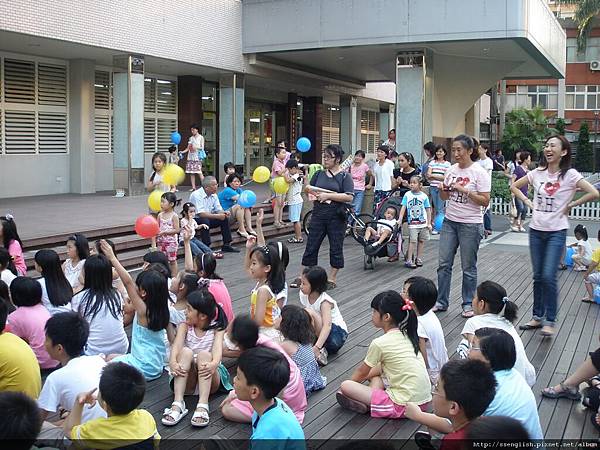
column 577, row 332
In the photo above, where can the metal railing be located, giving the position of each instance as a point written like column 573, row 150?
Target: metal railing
column 587, row 211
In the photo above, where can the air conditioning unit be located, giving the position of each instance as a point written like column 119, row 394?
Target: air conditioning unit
column 594, row 65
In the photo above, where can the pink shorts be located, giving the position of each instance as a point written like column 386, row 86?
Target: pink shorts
column 243, row 406
column 168, row 246
column 383, row 407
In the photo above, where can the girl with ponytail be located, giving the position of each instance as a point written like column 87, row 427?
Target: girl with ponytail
column 394, row 367
column 493, row 309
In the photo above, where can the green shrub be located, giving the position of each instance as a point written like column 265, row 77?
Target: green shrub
column 500, row 186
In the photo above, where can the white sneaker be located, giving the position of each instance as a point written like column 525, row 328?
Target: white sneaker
column 515, row 229
column 522, row 230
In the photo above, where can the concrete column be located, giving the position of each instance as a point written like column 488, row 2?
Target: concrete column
column 292, row 120
column 561, row 97
column 128, row 129
column 312, row 128
column 82, row 155
column 384, row 124
column 348, row 124
column 414, row 102
column 391, row 118
column 231, row 120
column 502, row 107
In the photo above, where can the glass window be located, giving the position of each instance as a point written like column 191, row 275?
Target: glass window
column 591, row 101
column 522, row 89
column 543, row 101
column 543, row 88
column 580, row 102
column 569, row 101
column 552, row 102
column 532, row 89
column 592, row 88
column 553, row 88
column 570, row 88
column 580, row 88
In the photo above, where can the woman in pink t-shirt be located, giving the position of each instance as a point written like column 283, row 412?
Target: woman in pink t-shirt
column 554, row 185
column 12, row 242
column 359, row 170
column 467, row 187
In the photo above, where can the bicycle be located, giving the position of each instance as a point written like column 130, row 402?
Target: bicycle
column 357, row 223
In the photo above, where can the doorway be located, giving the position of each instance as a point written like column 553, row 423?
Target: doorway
column 260, row 135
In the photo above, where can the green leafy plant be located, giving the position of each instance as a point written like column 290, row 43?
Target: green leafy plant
column 500, row 186
column 584, row 156
column 525, row 129
column 560, row 126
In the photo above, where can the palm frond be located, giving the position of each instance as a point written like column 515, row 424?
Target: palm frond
column 585, row 13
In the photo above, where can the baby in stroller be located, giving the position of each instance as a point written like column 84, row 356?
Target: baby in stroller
column 385, row 228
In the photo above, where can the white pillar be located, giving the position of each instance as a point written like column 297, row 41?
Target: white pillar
column 384, row 124
column 231, row 120
column 561, row 97
column 348, row 124
column 82, row 155
column 502, row 109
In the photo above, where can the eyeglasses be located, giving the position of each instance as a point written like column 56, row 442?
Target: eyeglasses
column 326, row 156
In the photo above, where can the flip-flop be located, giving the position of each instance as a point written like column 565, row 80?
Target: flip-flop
column 331, row 285
column 587, row 300
column 218, row 255
column 350, row 404
column 295, row 284
column 467, row 314
column 547, row 331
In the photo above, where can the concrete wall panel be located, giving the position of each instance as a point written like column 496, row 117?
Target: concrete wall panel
column 27, row 175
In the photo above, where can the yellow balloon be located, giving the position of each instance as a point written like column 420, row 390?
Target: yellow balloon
column 173, row 174
column 261, row 174
column 154, row 200
column 280, row 186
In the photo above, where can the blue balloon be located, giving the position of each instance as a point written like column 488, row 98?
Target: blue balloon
column 247, row 199
column 438, row 221
column 303, row 144
column 569, row 256
column 175, row 138
column 597, row 294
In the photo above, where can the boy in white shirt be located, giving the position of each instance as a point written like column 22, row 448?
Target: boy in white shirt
column 66, row 338
column 416, row 206
column 293, row 176
column 432, row 344
column 384, row 227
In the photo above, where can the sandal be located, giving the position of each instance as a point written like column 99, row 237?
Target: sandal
column 437, row 309
column 295, row 240
column 331, row 285
column 467, row 314
column 218, row 255
column 587, row 300
column 531, row 325
column 174, row 414
column 350, row 404
column 394, row 258
column 562, row 267
column 244, row 235
column 202, row 414
column 419, row 262
column 594, row 417
column 296, row 283
column 567, row 392
column 547, row 331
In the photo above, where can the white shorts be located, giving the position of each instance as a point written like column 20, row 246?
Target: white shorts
column 593, row 278
column 294, row 212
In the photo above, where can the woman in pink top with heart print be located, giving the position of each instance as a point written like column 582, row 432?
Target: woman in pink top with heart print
column 466, row 186
column 554, row 184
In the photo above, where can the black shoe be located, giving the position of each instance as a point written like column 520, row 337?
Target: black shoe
column 423, row 440
column 229, row 249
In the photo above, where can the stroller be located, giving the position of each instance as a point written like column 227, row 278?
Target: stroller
column 393, row 244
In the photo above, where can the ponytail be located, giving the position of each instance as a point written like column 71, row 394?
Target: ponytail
column 402, row 313
column 496, row 300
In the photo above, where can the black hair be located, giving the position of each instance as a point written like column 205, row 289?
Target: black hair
column 58, row 287
column 25, row 291
column 229, row 179
column 21, row 420
column 189, row 280
column 98, row 290
column 267, row 257
column 292, row 163
column 523, row 156
column 296, row 325
column 81, row 245
column 470, row 383
column 278, row 149
column 157, row 298
column 565, row 161
column 418, row 178
column 265, row 368
column 3, row 315
column 429, row 148
column 465, row 141
column 581, row 230
column 410, row 158
column 316, row 277
column 171, row 198
column 422, row 292
column 496, row 300
column 204, row 302
column 207, row 264
column 185, row 209
column 122, row 387
column 70, row 330
column 99, row 250
column 498, row 347
column 385, row 149
column 195, row 125
column 6, row 261
column 228, row 165
column 5, row 297
column 244, row 332
column 392, row 207
column 157, row 257
column 487, row 150
column 336, row 151
column 159, row 155
column 360, row 153
column 393, row 130
column 393, row 154
column 9, row 231
column 392, row 303
column 282, row 251
column 443, row 148
column 494, row 429
column 172, row 148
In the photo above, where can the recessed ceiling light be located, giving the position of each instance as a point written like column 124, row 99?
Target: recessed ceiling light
column 340, row 57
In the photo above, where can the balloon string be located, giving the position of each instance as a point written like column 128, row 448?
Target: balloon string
column 248, row 182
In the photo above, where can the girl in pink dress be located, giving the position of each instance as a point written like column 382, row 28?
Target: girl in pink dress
column 12, row 242
column 168, row 222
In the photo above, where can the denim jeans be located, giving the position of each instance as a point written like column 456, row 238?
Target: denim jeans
column 357, row 202
column 545, row 248
column 466, row 236
column 487, row 220
column 438, row 203
column 198, row 247
column 522, row 209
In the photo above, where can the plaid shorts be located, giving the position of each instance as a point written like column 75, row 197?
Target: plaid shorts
column 169, row 246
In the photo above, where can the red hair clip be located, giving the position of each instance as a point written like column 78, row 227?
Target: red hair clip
column 408, row 305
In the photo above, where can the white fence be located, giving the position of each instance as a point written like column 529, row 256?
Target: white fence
column 587, row 211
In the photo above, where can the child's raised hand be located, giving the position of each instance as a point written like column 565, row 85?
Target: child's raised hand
column 203, row 225
column 250, row 242
column 260, row 216
column 186, row 233
column 106, row 249
column 88, row 397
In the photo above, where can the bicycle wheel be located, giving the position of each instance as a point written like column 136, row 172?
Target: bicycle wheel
column 359, row 226
column 306, row 222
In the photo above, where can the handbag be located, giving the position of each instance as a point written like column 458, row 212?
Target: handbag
column 513, row 209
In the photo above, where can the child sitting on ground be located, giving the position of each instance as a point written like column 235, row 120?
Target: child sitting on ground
column 327, row 320
column 6, row 274
column 182, row 285
column 229, row 169
column 299, row 336
column 464, row 391
column 592, row 275
column 149, row 296
column 120, row 392
column 30, row 317
column 21, row 423
column 490, row 301
column 261, row 374
column 415, row 204
column 583, row 249
column 197, row 350
column 66, row 337
column 244, row 334
column 393, row 357
column 385, row 227
column 423, row 293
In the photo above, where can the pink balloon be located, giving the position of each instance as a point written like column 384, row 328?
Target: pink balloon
column 146, row 226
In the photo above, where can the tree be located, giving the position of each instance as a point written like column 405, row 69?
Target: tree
column 585, row 13
column 560, row 126
column 525, row 129
column 584, row 155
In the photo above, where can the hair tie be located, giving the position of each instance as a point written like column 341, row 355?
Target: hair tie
column 265, row 249
column 408, row 305
column 280, row 249
column 203, row 283
column 9, row 216
column 202, row 262
column 504, row 300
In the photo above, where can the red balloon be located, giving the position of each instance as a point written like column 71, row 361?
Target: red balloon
column 146, row 226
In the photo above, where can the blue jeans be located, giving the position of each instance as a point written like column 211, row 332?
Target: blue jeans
column 487, row 220
column 522, row 209
column 357, row 202
column 545, row 248
column 199, row 247
column 438, row 203
column 466, row 236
